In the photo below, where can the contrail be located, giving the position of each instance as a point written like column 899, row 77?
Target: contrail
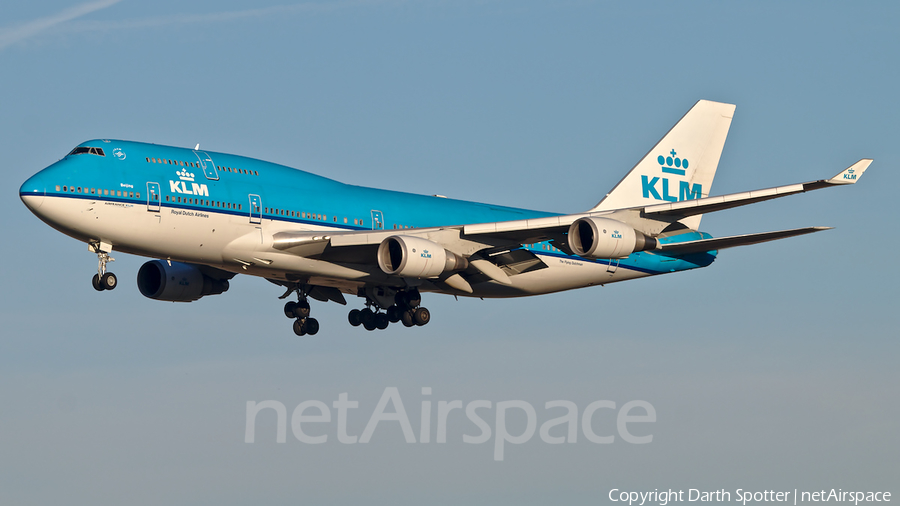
column 9, row 36
column 226, row 16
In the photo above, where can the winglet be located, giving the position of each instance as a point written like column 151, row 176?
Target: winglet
column 852, row 173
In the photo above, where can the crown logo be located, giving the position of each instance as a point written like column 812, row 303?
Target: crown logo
column 672, row 164
column 184, row 175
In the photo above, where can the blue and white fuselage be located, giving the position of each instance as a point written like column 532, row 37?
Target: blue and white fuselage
column 220, row 214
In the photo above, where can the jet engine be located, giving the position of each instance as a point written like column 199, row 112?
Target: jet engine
column 176, row 282
column 415, row 257
column 605, row 238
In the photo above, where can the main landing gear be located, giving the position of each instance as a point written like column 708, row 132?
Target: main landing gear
column 299, row 310
column 103, row 280
column 405, row 309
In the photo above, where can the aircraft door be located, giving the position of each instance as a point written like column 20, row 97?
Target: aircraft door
column 377, row 220
column 206, row 163
column 255, row 209
column 153, row 197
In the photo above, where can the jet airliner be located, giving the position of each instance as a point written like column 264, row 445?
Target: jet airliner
column 204, row 217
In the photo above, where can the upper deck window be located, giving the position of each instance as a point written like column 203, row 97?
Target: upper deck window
column 83, row 150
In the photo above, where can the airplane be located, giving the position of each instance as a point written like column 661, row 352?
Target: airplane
column 204, row 217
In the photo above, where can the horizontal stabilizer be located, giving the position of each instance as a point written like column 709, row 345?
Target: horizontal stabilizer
column 718, row 243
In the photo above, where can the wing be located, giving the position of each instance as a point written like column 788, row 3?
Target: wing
column 493, row 251
column 652, row 220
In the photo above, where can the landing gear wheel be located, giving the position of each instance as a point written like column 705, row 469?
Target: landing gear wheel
column 367, row 318
column 381, row 321
column 311, row 326
column 412, row 298
column 108, row 281
column 289, row 308
column 393, row 314
column 299, row 328
column 95, row 282
column 422, row 316
column 407, row 319
column 301, row 310
column 353, row 317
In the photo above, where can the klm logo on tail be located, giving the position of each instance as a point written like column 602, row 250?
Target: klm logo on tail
column 850, row 174
column 670, row 165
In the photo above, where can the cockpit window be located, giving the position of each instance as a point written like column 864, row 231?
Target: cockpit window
column 82, row 150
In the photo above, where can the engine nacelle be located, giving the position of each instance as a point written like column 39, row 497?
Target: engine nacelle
column 605, row 238
column 414, row 257
column 178, row 282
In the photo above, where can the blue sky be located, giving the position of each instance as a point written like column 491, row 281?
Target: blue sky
column 774, row 368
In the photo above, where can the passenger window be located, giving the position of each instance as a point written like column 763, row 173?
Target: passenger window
column 79, row 189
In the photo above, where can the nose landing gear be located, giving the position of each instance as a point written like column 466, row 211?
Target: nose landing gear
column 103, row 280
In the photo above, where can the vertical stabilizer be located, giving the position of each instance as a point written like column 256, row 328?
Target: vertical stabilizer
column 681, row 166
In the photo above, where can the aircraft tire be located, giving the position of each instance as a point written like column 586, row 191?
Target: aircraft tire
column 422, row 316
column 109, row 281
column 381, row 321
column 353, row 317
column 298, row 327
column 312, row 326
column 412, row 298
column 393, row 314
column 407, row 319
column 367, row 318
column 302, row 309
column 95, row 282
column 289, row 308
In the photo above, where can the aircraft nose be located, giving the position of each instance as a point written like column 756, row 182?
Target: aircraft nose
column 32, row 192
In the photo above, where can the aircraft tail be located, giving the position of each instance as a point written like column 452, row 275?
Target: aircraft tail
column 681, row 166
